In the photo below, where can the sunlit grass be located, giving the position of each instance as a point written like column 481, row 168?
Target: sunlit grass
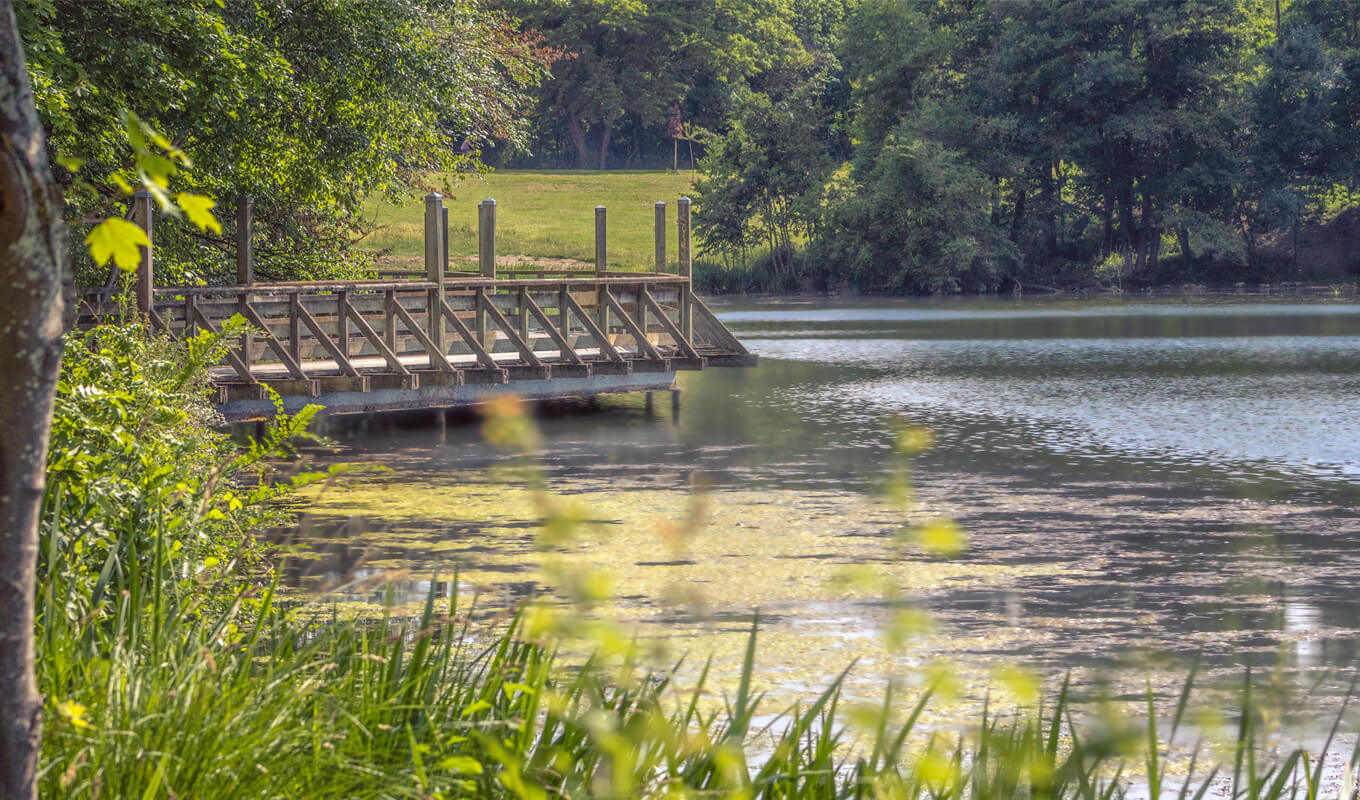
column 546, row 214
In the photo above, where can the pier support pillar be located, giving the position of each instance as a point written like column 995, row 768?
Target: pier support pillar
column 675, row 405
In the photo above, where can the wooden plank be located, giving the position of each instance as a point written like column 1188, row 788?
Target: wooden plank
column 671, row 328
column 484, row 358
column 285, row 356
column 341, row 358
column 639, row 335
column 715, row 332
column 438, row 358
column 601, row 340
column 377, row 342
column 564, row 348
column 294, row 338
column 525, row 351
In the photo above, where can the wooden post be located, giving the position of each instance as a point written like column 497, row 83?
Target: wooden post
column 601, row 258
column 524, row 314
column 435, row 256
column 564, row 311
column 685, row 267
column 479, row 318
column 486, row 238
column 245, row 250
column 600, row 254
column 444, row 233
column 294, row 331
column 342, row 322
column 142, row 215
column 245, row 259
column 660, row 233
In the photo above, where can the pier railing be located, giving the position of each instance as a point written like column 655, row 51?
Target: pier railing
column 444, row 327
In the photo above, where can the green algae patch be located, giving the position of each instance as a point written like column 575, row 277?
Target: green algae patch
column 685, row 571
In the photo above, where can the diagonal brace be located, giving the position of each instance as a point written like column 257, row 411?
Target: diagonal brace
column 671, row 328
column 639, row 335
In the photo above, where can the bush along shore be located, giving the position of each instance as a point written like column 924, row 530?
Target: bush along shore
column 171, row 669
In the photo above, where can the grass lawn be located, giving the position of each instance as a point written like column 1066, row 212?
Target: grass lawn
column 545, row 214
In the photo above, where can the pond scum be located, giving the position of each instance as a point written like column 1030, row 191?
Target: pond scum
column 172, row 669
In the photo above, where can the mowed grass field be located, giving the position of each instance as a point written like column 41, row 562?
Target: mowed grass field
column 542, row 214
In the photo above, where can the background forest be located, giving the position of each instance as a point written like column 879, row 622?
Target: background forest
column 977, row 145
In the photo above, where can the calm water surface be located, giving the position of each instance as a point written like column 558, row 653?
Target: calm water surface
column 1141, row 482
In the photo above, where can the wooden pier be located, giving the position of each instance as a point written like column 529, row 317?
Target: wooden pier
column 445, row 337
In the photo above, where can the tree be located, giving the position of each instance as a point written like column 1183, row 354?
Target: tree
column 311, row 106
column 32, row 258
column 629, row 61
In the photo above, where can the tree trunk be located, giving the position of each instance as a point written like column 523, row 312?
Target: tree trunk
column 577, row 130
column 1187, row 256
column 1048, row 208
column 606, row 132
column 32, row 257
column 1019, row 216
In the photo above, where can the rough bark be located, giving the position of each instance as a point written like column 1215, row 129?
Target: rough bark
column 577, row 130
column 606, row 133
column 32, row 256
column 1187, row 256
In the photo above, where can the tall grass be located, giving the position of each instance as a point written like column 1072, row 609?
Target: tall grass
column 173, row 668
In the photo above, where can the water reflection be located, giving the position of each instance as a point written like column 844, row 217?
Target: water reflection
column 1138, row 481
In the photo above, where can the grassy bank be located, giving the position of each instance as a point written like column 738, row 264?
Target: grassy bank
column 546, row 214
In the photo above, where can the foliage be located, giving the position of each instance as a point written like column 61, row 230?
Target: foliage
column 764, row 178
column 309, row 107
column 628, row 66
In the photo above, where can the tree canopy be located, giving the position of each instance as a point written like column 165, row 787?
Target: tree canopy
column 308, row 106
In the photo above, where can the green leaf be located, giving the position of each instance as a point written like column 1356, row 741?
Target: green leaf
column 117, row 239
column 70, row 162
column 461, row 764
column 199, row 210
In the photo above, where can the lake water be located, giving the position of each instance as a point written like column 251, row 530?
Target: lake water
column 1141, row 483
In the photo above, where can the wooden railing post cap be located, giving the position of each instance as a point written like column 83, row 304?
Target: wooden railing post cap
column 142, row 193
column 684, row 201
column 490, row 201
column 433, row 197
column 599, row 209
column 661, row 204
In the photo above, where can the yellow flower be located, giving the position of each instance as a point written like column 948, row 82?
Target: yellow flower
column 73, row 713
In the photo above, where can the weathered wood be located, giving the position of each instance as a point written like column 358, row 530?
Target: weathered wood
column 338, row 352
column 438, row 358
column 638, row 334
column 342, row 322
column 601, row 262
column 601, row 340
column 681, row 342
column 486, row 238
column 245, row 244
column 434, row 265
column 522, row 309
column 294, row 335
column 143, row 215
column 483, row 357
column 525, row 351
column 659, row 233
column 685, row 268
column 479, row 316
column 289, row 360
column 377, row 342
column 564, row 348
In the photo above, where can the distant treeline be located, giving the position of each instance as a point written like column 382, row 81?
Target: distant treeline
column 921, row 145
